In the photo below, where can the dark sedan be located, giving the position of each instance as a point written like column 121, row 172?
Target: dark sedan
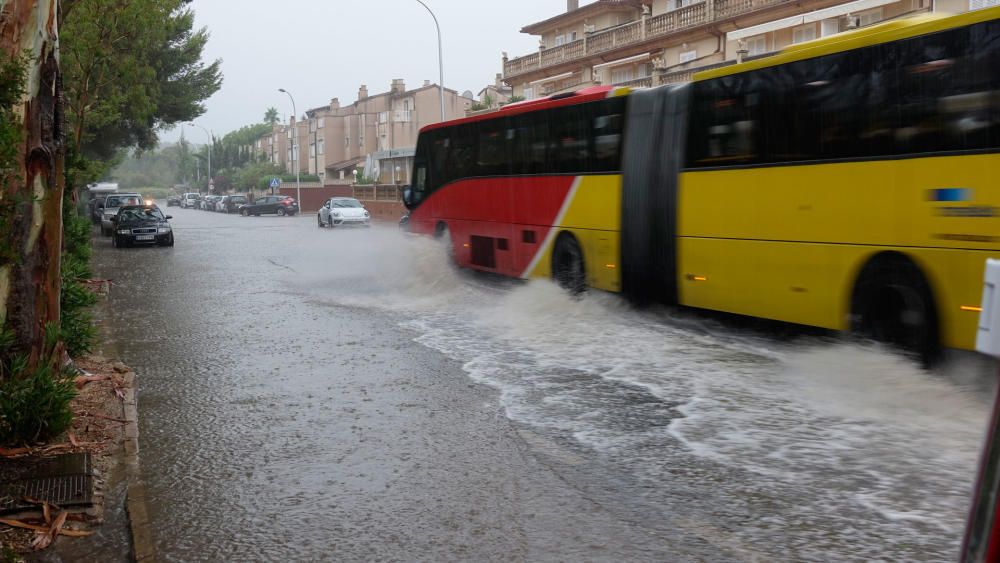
column 142, row 224
column 278, row 204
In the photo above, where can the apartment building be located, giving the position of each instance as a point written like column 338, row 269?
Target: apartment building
column 273, row 145
column 651, row 42
column 375, row 135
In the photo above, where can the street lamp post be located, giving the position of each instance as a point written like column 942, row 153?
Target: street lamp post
column 295, row 148
column 440, row 58
column 209, row 135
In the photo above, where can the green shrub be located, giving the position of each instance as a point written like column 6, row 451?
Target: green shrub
column 34, row 404
column 76, row 322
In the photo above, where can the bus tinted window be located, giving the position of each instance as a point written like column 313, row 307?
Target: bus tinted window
column 928, row 94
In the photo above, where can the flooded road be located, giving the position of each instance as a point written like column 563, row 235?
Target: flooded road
column 314, row 394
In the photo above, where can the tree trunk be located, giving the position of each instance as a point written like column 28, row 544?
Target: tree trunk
column 30, row 285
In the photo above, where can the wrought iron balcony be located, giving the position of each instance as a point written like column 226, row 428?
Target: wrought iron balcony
column 636, row 32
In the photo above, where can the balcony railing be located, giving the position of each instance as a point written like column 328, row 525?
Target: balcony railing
column 645, row 82
column 687, row 74
column 636, row 32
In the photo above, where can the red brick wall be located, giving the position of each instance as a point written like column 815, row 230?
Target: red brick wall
column 387, row 211
column 313, row 198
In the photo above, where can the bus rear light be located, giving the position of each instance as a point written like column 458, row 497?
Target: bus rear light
column 610, row 266
column 692, row 277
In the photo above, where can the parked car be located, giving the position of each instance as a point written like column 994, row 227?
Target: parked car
column 190, row 200
column 339, row 211
column 142, row 224
column 232, row 203
column 96, row 208
column 208, row 203
column 279, row 204
column 111, row 205
column 173, row 200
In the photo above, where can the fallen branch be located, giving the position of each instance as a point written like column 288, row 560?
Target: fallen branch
column 82, row 380
column 14, row 452
column 68, row 532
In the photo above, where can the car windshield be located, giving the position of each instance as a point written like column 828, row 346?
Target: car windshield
column 123, row 200
column 140, row 214
column 238, row 199
column 346, row 203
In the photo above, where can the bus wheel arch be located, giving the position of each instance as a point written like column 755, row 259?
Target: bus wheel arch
column 569, row 267
column 893, row 302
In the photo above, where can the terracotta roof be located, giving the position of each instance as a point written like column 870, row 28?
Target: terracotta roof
column 590, row 9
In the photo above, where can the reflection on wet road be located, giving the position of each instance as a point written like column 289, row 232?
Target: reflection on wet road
column 315, row 394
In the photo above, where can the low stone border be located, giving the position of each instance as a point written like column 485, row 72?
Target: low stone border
column 143, row 550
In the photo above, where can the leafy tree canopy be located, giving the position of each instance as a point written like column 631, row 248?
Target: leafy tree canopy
column 131, row 68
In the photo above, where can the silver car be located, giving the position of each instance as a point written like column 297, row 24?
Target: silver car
column 111, row 205
column 339, row 211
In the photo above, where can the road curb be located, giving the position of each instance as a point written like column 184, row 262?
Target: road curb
column 143, row 549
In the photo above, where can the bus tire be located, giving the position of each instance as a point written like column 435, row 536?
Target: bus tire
column 568, row 266
column 893, row 303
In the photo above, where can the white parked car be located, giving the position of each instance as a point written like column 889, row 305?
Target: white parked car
column 190, row 200
column 111, row 205
column 339, row 211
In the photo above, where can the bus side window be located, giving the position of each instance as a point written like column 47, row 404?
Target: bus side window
column 419, row 187
column 440, row 145
column 724, row 123
column 492, row 155
column 607, row 138
column 462, row 156
column 570, row 151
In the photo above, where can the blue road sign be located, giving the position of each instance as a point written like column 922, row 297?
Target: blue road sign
column 275, row 182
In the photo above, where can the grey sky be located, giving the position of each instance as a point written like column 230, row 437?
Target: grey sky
column 321, row 49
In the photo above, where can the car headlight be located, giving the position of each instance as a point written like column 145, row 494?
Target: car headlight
column 124, row 231
column 163, row 230
column 367, row 214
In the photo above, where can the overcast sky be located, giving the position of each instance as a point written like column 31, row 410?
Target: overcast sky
column 321, row 49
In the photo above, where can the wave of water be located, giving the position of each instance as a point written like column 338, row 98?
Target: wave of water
column 828, row 449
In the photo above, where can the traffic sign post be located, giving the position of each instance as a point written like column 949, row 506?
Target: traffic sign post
column 275, row 184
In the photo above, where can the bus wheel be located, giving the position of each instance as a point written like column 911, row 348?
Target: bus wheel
column 893, row 303
column 567, row 264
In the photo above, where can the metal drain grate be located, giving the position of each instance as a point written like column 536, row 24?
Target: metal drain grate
column 64, row 481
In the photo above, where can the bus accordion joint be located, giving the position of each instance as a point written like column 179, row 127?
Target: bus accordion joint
column 692, row 277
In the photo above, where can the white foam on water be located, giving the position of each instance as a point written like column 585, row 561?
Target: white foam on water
column 858, row 452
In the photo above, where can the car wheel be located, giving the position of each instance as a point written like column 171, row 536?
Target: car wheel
column 171, row 241
column 280, row 212
column 244, row 212
column 319, row 221
column 568, row 268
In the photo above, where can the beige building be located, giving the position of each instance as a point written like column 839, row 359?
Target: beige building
column 375, row 135
column 651, row 42
column 274, row 144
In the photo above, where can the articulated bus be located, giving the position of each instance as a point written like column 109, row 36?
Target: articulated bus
column 848, row 183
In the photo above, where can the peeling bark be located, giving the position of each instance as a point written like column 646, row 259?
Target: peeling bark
column 29, row 298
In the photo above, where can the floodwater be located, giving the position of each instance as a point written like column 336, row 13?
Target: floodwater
column 316, row 394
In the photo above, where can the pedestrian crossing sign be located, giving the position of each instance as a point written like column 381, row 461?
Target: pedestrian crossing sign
column 275, row 182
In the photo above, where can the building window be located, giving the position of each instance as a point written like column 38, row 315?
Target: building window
column 870, row 17
column 319, row 124
column 529, row 93
column 288, row 134
column 979, row 4
column 347, row 141
column 572, row 34
column 319, row 146
column 622, row 74
column 312, row 150
column 687, row 56
column 756, row 45
column 804, row 33
column 560, row 39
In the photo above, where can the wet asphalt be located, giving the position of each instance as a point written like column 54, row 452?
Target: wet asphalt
column 303, row 398
column 275, row 427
